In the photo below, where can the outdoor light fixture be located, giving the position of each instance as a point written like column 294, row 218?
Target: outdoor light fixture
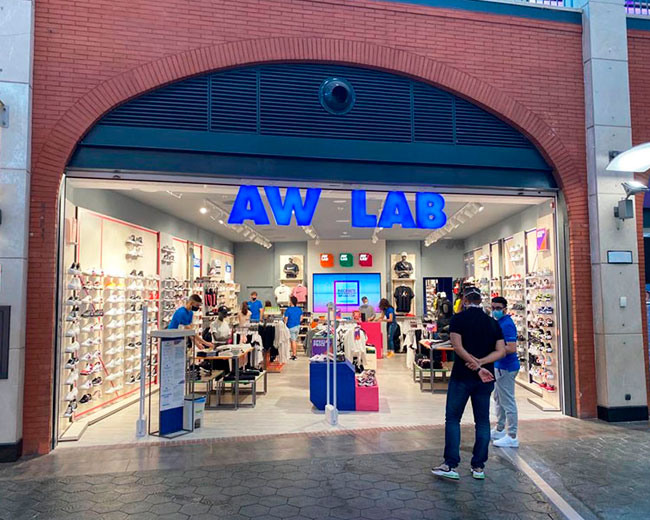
column 636, row 159
column 625, row 207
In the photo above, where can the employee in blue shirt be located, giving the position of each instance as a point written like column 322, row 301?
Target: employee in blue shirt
column 256, row 308
column 184, row 315
column 292, row 319
column 506, row 370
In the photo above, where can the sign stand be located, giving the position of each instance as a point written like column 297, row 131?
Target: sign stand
column 172, row 371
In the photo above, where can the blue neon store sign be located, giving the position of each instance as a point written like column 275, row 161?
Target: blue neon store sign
column 429, row 208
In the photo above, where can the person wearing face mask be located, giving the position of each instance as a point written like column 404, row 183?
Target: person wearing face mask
column 183, row 318
column 505, row 372
column 256, row 308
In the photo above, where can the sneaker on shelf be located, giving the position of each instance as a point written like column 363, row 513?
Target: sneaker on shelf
column 112, row 337
column 72, row 395
column 88, row 384
column 445, row 471
column 110, row 364
column 71, row 333
column 71, row 363
column 69, row 412
column 131, row 381
column 88, row 343
column 74, row 269
column 97, row 368
column 507, row 442
column 72, row 347
column 72, row 378
column 111, row 390
column 97, row 381
column 87, row 299
column 119, row 362
column 97, row 341
column 114, row 376
column 88, row 369
column 87, row 357
column 111, row 351
column 129, row 370
column 73, row 316
column 88, row 328
column 87, row 314
column 130, row 346
column 86, row 398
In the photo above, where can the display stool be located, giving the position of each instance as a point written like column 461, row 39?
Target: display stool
column 367, row 398
column 209, row 381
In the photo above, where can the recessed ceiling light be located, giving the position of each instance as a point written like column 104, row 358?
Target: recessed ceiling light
column 340, row 201
column 340, row 208
column 203, row 210
column 344, row 221
column 345, row 233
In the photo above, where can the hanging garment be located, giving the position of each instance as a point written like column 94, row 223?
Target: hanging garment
column 403, row 298
column 300, row 292
column 282, row 294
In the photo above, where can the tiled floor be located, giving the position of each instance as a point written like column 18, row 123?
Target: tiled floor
column 286, row 409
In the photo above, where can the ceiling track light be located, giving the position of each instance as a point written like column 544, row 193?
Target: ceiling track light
column 468, row 211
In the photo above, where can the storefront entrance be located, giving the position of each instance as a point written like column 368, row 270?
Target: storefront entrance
column 317, row 181
column 131, row 244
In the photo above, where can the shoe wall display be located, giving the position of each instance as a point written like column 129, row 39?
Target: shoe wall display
column 103, row 321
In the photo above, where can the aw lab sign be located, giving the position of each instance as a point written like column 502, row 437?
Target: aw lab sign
column 429, row 208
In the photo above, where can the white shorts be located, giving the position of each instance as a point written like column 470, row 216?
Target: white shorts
column 293, row 332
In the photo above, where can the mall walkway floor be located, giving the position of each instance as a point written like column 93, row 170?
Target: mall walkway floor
column 565, row 469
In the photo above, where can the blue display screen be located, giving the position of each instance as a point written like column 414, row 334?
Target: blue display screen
column 345, row 290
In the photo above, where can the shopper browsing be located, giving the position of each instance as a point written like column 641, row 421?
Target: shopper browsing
column 366, row 310
column 244, row 316
column 256, row 308
column 391, row 324
column 506, row 371
column 184, row 315
column 219, row 328
column 292, row 319
column 478, row 342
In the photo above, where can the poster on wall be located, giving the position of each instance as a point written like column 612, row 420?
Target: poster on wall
column 291, row 267
column 542, row 239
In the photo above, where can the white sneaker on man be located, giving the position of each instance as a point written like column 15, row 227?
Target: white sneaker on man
column 507, row 442
column 496, row 434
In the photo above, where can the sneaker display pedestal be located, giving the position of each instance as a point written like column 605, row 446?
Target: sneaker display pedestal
column 367, row 398
column 345, row 381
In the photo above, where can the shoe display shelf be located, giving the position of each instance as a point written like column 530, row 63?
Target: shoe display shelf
column 216, row 293
column 102, row 344
column 173, row 294
column 542, row 335
column 514, row 291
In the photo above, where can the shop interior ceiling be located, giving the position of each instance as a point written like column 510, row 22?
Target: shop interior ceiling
column 331, row 220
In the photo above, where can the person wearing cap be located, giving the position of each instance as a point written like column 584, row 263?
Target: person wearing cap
column 403, row 268
column 219, row 328
column 184, row 315
column 478, row 342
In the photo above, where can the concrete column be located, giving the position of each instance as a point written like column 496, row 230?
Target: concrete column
column 618, row 338
column 16, row 49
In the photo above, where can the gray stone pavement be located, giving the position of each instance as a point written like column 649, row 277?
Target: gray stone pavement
column 599, row 469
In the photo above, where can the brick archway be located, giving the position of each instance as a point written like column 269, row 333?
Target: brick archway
column 55, row 153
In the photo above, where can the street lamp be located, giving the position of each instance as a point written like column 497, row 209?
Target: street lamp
column 636, row 159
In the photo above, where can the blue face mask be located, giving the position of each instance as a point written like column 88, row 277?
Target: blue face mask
column 497, row 315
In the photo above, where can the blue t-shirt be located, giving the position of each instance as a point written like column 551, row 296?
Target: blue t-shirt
column 293, row 315
column 255, row 307
column 388, row 312
column 181, row 317
column 509, row 329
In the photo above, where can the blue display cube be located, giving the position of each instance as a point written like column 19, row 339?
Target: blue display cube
column 345, row 379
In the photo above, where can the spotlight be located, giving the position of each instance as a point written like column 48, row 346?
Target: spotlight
column 633, row 187
column 203, row 210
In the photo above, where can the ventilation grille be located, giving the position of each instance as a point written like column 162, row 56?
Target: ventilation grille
column 283, row 100
column 182, row 106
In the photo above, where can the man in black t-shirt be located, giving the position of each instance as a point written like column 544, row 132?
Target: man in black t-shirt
column 478, row 342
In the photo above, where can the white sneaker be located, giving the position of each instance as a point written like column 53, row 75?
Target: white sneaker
column 88, row 384
column 112, row 337
column 88, row 343
column 110, row 364
column 87, row 357
column 72, row 378
column 507, row 442
column 496, row 434
column 87, row 299
column 130, row 370
column 72, row 347
column 72, row 395
column 119, row 362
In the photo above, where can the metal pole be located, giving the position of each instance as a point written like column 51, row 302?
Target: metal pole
column 141, row 428
column 328, row 400
column 335, row 348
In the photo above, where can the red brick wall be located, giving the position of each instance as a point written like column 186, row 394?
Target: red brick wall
column 93, row 55
column 639, row 56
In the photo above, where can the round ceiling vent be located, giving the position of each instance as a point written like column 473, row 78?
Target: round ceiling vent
column 337, row 96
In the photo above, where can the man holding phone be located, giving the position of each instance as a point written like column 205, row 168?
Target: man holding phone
column 478, row 342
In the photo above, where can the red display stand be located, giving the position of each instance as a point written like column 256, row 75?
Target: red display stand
column 367, row 398
column 375, row 337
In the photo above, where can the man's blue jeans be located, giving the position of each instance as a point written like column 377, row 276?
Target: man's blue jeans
column 458, row 393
